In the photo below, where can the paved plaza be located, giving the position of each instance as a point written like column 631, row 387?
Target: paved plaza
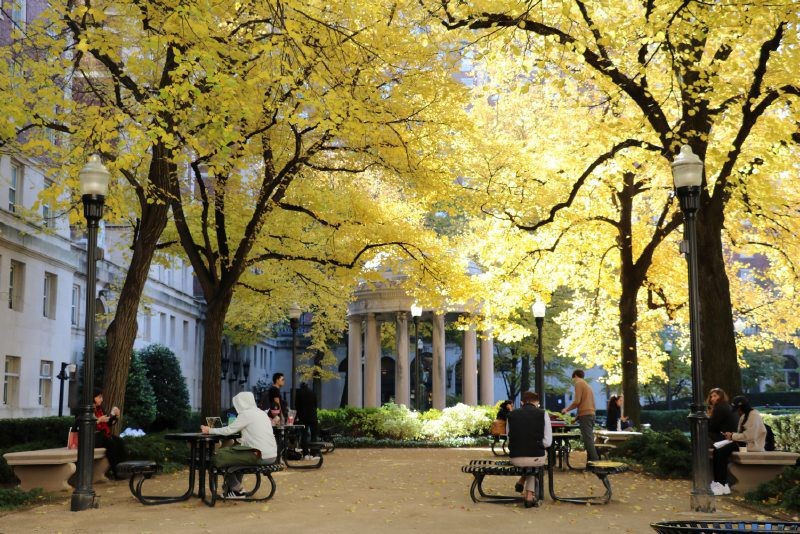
column 379, row 490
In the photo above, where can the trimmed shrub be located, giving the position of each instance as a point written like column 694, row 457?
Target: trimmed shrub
column 666, row 420
column 51, row 429
column 786, row 429
column 171, row 454
column 14, row 497
column 140, row 401
column 169, row 387
column 783, row 490
column 660, row 453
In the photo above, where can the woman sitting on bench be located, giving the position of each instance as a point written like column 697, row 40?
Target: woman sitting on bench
column 529, row 435
column 751, row 432
column 103, row 437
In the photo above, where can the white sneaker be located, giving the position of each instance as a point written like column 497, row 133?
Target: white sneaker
column 235, row 495
column 726, row 490
column 716, row 488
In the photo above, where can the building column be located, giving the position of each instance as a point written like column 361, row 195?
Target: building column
column 354, row 361
column 438, row 365
column 469, row 367
column 402, row 390
column 487, row 368
column 372, row 367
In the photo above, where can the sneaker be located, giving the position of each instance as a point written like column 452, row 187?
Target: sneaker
column 235, row 495
column 716, row 488
column 726, row 490
column 310, row 458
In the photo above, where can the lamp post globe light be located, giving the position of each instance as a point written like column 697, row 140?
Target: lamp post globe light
column 416, row 312
column 687, row 173
column 294, row 321
column 668, row 350
column 539, row 309
column 94, row 179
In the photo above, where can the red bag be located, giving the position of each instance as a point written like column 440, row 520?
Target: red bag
column 72, row 440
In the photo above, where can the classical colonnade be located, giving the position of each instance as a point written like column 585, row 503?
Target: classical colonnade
column 388, row 304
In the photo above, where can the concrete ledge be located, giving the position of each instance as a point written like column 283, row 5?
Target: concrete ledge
column 750, row 469
column 52, row 469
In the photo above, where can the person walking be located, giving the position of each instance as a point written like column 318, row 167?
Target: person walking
column 529, row 435
column 584, row 402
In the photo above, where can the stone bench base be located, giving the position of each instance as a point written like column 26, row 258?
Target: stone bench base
column 51, row 469
column 750, row 469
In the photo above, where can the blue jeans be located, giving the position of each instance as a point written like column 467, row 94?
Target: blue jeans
column 586, row 423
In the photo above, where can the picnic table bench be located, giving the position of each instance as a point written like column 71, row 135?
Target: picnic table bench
column 51, row 469
column 480, row 469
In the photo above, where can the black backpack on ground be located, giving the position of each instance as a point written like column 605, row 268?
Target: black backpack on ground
column 769, row 442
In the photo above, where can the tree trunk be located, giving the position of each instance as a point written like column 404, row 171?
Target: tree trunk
column 719, row 364
column 628, row 316
column 121, row 333
column 212, row 342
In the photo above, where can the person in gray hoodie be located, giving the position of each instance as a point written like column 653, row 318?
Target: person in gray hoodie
column 256, row 430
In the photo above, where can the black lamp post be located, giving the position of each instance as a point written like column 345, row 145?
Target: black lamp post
column 538, row 308
column 668, row 350
column 416, row 312
column 66, row 373
column 687, row 172
column 294, row 321
column 94, row 179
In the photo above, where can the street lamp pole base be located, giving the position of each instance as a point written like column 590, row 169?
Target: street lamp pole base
column 701, row 501
column 84, row 501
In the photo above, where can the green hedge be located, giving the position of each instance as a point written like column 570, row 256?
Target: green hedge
column 659, row 453
column 786, row 429
column 16, row 431
column 666, row 420
column 783, row 490
column 11, row 498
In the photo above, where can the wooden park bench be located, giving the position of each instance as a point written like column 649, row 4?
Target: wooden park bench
column 480, row 469
column 51, row 469
column 753, row 468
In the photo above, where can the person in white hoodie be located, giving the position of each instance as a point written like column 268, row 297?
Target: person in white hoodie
column 256, row 430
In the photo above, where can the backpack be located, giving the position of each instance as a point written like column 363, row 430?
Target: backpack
column 769, row 442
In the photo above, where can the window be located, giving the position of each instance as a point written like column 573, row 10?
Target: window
column 11, row 381
column 18, row 13
column 172, row 326
column 47, row 214
column 76, row 305
column 45, row 383
column 162, row 328
column 16, row 285
column 146, row 325
column 49, row 297
column 15, row 187
column 185, row 336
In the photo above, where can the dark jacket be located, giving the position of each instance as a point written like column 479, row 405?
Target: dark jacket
column 612, row 416
column 306, row 407
column 526, row 432
column 722, row 419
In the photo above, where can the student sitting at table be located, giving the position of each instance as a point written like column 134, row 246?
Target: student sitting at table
column 256, row 429
column 529, row 435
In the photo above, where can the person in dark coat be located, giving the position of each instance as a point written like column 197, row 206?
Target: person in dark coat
column 613, row 413
column 529, row 435
column 307, row 415
column 721, row 417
